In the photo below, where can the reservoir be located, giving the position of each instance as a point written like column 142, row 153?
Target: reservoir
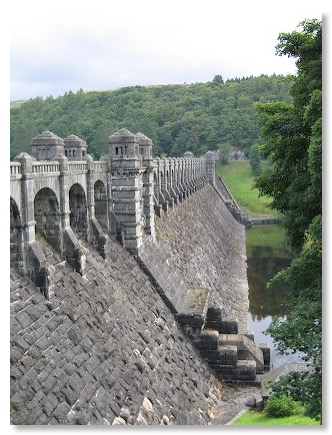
column 267, row 254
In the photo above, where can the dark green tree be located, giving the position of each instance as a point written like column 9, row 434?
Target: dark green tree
column 224, row 153
column 198, row 116
column 293, row 142
column 218, row 79
column 255, row 160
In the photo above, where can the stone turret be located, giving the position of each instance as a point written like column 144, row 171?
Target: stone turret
column 127, row 188
column 145, row 146
column 124, row 149
column 47, row 146
column 188, row 155
column 211, row 167
column 75, row 148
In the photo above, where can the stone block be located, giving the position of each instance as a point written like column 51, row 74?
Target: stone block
column 265, row 348
column 243, row 354
column 207, row 340
column 18, row 400
column 226, row 355
column 225, row 372
column 223, row 326
column 70, row 395
column 20, row 343
column 61, row 412
column 48, row 384
column 246, row 370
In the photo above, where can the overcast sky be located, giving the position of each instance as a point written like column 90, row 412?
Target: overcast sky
column 60, row 46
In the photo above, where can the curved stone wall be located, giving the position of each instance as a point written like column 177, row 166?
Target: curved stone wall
column 206, row 246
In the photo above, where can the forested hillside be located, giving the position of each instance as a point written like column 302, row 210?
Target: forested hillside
column 178, row 118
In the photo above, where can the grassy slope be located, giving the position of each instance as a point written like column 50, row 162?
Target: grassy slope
column 239, row 180
column 255, row 418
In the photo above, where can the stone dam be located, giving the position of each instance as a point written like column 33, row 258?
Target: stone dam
column 129, row 293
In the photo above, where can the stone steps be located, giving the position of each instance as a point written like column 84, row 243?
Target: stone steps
column 231, row 356
column 246, row 349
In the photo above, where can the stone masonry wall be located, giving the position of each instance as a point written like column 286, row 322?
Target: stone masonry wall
column 205, row 245
column 105, row 351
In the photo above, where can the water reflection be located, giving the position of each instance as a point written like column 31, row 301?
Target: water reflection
column 267, row 254
column 263, row 264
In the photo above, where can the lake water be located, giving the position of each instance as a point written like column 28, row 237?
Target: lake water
column 267, row 254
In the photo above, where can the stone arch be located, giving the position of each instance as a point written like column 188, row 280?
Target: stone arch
column 16, row 237
column 100, row 199
column 47, row 217
column 78, row 211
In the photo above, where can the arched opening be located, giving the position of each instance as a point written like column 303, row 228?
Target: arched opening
column 78, row 211
column 47, row 217
column 16, row 237
column 100, row 196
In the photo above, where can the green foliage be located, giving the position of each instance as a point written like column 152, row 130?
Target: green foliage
column 297, row 385
column 303, row 329
column 293, row 142
column 255, row 160
column 178, row 118
column 218, row 80
column 282, row 406
column 224, row 150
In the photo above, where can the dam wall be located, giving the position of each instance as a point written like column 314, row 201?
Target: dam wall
column 129, row 295
column 105, row 351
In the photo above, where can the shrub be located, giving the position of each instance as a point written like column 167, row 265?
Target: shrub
column 282, row 406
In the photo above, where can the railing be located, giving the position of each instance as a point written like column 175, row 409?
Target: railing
column 180, row 170
column 15, row 168
column 45, row 167
column 100, row 166
column 77, row 166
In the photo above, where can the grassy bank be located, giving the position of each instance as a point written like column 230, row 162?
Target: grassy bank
column 239, row 181
column 258, row 418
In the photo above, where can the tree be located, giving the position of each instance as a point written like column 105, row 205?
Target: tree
column 255, row 161
column 218, row 79
column 224, row 153
column 221, row 113
column 293, row 142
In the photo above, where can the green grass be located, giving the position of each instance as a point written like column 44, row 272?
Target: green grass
column 258, row 418
column 239, row 181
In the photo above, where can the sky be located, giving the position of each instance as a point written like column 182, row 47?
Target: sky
column 62, row 46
